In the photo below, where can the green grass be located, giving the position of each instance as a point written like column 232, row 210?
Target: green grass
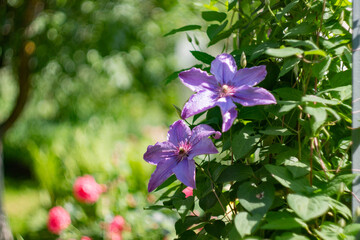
column 23, row 206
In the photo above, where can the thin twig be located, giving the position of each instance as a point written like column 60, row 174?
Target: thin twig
column 321, row 22
column 311, row 160
column 355, row 196
column 321, row 161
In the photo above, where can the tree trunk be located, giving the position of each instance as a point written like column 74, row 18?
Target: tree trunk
column 33, row 7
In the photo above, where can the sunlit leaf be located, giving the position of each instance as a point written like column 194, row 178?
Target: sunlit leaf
column 288, row 65
column 283, row 52
column 308, row 207
column 280, row 131
column 183, row 29
column 246, row 224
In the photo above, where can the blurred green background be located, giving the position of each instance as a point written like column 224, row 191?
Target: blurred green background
column 97, row 100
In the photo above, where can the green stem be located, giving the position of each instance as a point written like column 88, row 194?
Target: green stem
column 272, row 14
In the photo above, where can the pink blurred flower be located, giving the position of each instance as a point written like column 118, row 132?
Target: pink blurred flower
column 85, row 238
column 87, row 190
column 188, row 192
column 58, row 220
column 114, row 236
column 117, row 224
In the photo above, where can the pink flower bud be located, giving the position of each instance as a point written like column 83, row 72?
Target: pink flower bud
column 188, row 192
column 86, row 189
column 58, row 220
column 117, row 224
column 85, row 238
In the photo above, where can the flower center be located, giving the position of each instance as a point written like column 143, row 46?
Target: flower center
column 183, row 150
column 226, row 90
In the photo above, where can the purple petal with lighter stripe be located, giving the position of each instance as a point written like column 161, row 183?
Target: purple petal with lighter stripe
column 197, row 80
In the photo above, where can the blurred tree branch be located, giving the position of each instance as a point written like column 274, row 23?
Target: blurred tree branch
column 32, row 8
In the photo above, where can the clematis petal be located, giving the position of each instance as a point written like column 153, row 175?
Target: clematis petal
column 198, row 103
column 178, row 132
column 202, row 131
column 223, row 68
column 204, row 146
column 185, row 172
column 225, row 104
column 228, row 112
column 228, row 119
column 162, row 172
column 161, row 150
column 197, row 80
column 251, row 96
column 249, row 76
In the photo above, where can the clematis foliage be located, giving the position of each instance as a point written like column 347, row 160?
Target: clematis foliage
column 283, row 170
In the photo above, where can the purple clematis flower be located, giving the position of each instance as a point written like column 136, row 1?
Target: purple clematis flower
column 176, row 155
column 226, row 86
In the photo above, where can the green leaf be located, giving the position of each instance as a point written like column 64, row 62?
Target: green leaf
column 276, row 131
column 167, row 182
column 319, row 115
column 213, row 16
column 237, row 172
column 243, row 142
column 256, row 199
column 289, row 94
column 283, row 176
column 352, row 229
column 178, row 110
column 291, row 236
column 283, row 52
column 181, row 226
column 288, row 65
column 316, row 52
column 297, row 168
column 253, row 113
column 197, row 116
column 282, row 108
column 334, row 186
column 286, row 9
column 157, row 207
column 183, row 29
column 340, row 208
column 188, row 235
column 220, row 37
column 233, row 233
column 330, row 231
column 301, row 29
column 282, row 221
column 341, row 78
column 246, row 224
column 301, row 43
column 215, row 228
column 208, row 201
column 203, row 57
column 232, row 4
column 183, row 206
column 320, row 68
column 308, row 207
column 342, row 3
column 215, row 29
column 261, row 48
column 313, row 98
column 343, row 92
